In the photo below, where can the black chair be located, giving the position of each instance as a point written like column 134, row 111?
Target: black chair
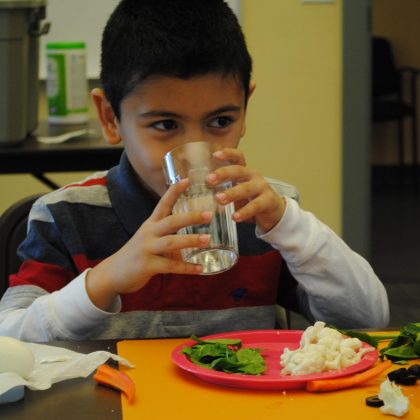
column 394, row 92
column 13, row 224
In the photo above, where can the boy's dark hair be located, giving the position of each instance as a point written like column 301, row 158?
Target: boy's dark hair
column 178, row 38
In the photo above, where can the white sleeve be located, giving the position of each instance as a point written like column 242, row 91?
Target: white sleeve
column 339, row 286
column 31, row 314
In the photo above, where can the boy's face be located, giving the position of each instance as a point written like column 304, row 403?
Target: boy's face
column 165, row 112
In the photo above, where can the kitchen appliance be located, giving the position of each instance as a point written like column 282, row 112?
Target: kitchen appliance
column 20, row 28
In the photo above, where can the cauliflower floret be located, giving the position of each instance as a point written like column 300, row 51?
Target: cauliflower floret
column 310, row 335
column 351, row 343
column 333, row 360
column 300, row 363
column 330, row 333
column 329, row 344
column 349, row 357
column 322, row 349
column 310, row 365
column 395, row 402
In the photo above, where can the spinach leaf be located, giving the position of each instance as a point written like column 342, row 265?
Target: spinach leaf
column 237, row 342
column 225, row 355
column 406, row 345
column 403, row 346
column 362, row 336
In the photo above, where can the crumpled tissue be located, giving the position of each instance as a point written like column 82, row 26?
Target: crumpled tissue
column 56, row 364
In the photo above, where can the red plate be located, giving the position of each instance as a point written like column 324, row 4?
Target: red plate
column 273, row 342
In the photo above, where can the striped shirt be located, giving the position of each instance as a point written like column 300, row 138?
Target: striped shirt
column 74, row 228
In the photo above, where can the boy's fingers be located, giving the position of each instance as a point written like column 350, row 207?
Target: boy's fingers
column 258, row 205
column 234, row 156
column 171, row 243
column 168, row 200
column 173, row 223
column 242, row 192
column 234, row 173
column 167, row 265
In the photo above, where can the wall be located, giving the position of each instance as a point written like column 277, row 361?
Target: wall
column 294, row 117
column 399, row 22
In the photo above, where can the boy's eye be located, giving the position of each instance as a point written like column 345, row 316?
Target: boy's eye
column 221, row 122
column 165, row 125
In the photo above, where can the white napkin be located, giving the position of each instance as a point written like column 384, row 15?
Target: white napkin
column 56, row 364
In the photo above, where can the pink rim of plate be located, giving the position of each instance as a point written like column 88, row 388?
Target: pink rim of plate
column 273, row 343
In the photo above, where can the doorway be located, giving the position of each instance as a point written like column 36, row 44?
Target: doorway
column 397, row 22
column 395, row 199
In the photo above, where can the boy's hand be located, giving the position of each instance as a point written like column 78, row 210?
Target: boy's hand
column 153, row 249
column 254, row 198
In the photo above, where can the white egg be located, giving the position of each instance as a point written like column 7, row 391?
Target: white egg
column 15, row 356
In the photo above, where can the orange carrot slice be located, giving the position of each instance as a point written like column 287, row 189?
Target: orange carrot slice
column 114, row 378
column 348, row 381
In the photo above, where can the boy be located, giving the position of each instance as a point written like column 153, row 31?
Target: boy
column 101, row 256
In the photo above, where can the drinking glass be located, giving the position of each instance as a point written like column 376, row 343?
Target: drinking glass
column 195, row 161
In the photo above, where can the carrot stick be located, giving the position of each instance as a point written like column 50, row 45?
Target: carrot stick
column 107, row 375
column 348, row 381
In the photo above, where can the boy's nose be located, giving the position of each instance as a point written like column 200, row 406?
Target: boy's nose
column 195, row 134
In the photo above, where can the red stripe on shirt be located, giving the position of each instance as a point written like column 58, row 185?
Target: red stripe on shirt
column 47, row 276
column 82, row 263
column 89, row 183
column 253, row 281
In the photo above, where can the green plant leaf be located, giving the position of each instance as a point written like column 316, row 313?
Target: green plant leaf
column 403, row 346
column 406, row 346
column 417, row 345
column 226, row 355
column 404, row 352
column 362, row 336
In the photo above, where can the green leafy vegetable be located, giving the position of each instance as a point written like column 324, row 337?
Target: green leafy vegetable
column 225, row 355
column 362, row 336
column 403, row 346
column 406, row 345
column 228, row 341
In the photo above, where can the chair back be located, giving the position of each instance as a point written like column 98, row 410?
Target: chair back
column 13, row 228
column 385, row 75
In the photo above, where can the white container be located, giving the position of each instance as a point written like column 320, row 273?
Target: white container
column 67, row 88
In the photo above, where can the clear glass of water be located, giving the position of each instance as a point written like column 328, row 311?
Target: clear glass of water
column 194, row 160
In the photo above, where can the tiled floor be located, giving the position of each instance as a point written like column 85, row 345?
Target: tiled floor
column 395, row 247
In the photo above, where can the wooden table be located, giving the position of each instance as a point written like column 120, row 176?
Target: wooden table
column 87, row 153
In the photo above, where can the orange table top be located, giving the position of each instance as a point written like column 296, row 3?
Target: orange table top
column 164, row 391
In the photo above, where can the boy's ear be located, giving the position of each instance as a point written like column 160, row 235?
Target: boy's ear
column 109, row 122
column 252, row 86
